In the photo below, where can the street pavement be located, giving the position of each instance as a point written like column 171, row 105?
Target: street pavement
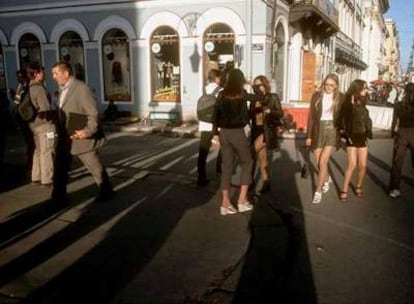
column 162, row 240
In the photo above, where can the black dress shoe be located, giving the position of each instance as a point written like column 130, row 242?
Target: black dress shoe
column 59, row 202
column 202, row 182
column 104, row 196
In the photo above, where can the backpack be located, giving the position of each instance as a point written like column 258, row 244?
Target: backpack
column 27, row 111
column 205, row 106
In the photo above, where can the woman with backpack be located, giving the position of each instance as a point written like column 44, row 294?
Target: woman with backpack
column 42, row 126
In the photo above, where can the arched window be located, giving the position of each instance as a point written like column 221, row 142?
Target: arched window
column 71, row 51
column 116, row 65
column 218, row 48
column 29, row 50
column 165, row 64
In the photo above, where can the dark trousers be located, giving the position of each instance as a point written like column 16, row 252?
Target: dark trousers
column 62, row 165
column 203, row 151
column 234, row 143
column 403, row 141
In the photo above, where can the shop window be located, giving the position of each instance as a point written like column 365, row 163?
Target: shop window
column 71, row 51
column 29, row 50
column 116, row 66
column 165, row 65
column 218, row 49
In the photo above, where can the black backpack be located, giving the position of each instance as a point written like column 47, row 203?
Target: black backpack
column 27, row 111
column 205, row 106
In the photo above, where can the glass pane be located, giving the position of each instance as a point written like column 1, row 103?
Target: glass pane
column 71, row 51
column 165, row 65
column 218, row 48
column 29, row 50
column 115, row 56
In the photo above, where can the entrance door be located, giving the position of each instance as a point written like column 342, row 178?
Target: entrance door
column 308, row 75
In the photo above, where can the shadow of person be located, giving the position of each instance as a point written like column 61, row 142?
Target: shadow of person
column 97, row 249
column 277, row 265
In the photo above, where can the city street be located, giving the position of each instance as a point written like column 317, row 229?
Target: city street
column 162, row 240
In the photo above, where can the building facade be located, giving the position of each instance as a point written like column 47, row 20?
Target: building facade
column 151, row 57
column 392, row 52
column 373, row 39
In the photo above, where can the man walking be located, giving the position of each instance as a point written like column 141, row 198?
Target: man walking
column 78, row 134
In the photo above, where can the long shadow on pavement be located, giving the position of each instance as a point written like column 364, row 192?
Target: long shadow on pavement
column 277, row 266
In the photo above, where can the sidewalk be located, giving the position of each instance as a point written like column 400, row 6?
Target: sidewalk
column 162, row 240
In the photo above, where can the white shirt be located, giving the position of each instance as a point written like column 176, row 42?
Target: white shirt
column 327, row 102
column 63, row 91
column 202, row 125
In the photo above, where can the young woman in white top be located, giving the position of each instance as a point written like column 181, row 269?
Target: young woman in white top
column 322, row 133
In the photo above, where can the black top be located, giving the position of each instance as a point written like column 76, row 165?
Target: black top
column 355, row 119
column 404, row 113
column 232, row 113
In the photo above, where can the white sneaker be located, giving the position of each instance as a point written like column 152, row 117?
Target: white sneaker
column 395, row 193
column 244, row 207
column 317, row 197
column 227, row 210
column 325, row 187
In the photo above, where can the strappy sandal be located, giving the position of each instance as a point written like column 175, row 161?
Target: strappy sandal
column 358, row 191
column 343, row 196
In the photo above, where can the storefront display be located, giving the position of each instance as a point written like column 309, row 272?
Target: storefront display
column 218, row 47
column 165, row 65
column 71, row 50
column 116, row 66
column 29, row 50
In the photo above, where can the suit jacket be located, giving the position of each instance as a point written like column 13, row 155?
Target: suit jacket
column 80, row 100
column 315, row 113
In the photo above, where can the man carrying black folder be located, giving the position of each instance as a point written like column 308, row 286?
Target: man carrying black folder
column 79, row 134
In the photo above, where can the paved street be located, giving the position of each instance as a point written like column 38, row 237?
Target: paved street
column 162, row 240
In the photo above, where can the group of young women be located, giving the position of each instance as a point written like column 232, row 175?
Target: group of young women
column 333, row 117
column 231, row 115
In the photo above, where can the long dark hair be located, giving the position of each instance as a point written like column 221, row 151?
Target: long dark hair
column 354, row 90
column 265, row 83
column 235, row 84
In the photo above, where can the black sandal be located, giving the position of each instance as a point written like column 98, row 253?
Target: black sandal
column 358, row 191
column 343, row 196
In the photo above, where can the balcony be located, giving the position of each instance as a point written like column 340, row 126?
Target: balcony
column 315, row 17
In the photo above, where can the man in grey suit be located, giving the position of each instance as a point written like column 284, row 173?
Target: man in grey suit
column 79, row 134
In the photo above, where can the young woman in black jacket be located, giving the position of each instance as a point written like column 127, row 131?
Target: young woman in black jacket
column 265, row 116
column 230, row 116
column 356, row 127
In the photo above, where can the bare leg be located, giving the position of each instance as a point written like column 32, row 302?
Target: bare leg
column 322, row 156
column 243, row 194
column 260, row 148
column 362, row 155
column 226, row 201
column 352, row 161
